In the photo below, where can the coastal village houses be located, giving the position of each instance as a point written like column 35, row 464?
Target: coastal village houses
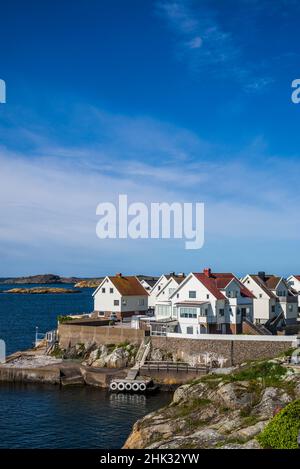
column 274, row 303
column 204, row 303
column 200, row 302
column 120, row 296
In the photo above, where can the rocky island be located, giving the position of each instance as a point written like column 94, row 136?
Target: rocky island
column 256, row 406
column 41, row 279
column 41, row 290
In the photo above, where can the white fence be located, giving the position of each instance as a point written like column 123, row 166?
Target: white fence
column 293, row 339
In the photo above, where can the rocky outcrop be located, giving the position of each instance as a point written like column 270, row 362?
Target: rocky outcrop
column 103, row 356
column 220, row 411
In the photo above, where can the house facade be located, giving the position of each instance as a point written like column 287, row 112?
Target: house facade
column 159, row 285
column 120, row 296
column 163, row 304
column 294, row 284
column 274, row 300
column 207, row 302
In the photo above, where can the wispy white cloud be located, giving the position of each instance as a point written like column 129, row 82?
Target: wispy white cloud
column 205, row 45
column 53, row 191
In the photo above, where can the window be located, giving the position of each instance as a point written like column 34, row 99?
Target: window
column 290, row 308
column 207, row 297
column 221, row 312
column 116, row 302
column 159, row 287
column 190, row 330
column 192, row 294
column 244, row 312
column 163, row 311
column 260, row 295
column 238, row 311
column 190, row 313
column 273, row 309
column 141, row 301
column 124, row 302
column 101, row 313
column 111, row 290
column 103, row 290
column 177, row 296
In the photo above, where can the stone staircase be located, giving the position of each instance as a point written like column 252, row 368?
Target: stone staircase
column 141, row 357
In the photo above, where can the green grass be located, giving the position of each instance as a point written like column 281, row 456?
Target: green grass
column 282, row 431
column 269, row 373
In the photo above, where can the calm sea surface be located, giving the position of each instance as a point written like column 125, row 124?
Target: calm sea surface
column 42, row 416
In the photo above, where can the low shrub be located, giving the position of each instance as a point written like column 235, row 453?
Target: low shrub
column 282, row 431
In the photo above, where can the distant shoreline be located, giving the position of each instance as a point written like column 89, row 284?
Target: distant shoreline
column 41, row 291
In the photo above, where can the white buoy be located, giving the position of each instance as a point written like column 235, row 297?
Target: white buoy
column 135, row 387
column 128, row 386
column 121, row 386
column 143, row 387
column 113, row 386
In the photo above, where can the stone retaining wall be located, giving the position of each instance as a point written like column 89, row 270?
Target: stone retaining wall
column 229, row 352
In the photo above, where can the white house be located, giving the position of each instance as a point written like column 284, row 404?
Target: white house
column 163, row 305
column 163, row 279
column 121, row 296
column 207, row 302
column 293, row 282
column 274, row 301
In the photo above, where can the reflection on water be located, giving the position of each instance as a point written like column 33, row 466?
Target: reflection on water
column 117, row 399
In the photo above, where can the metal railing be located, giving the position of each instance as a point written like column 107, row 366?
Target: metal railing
column 174, row 366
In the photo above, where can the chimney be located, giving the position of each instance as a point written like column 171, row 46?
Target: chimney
column 207, row 272
column 118, row 274
column 262, row 275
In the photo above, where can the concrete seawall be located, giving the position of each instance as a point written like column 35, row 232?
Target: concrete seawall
column 47, row 375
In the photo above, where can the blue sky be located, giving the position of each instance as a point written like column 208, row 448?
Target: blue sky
column 164, row 101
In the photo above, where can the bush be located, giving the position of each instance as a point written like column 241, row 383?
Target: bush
column 62, row 319
column 282, row 431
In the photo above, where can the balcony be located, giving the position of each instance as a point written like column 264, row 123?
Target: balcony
column 210, row 319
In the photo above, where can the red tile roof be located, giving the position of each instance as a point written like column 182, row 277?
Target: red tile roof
column 218, row 281
column 210, row 284
column 128, row 286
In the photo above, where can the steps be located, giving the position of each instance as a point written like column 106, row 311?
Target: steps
column 256, row 329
